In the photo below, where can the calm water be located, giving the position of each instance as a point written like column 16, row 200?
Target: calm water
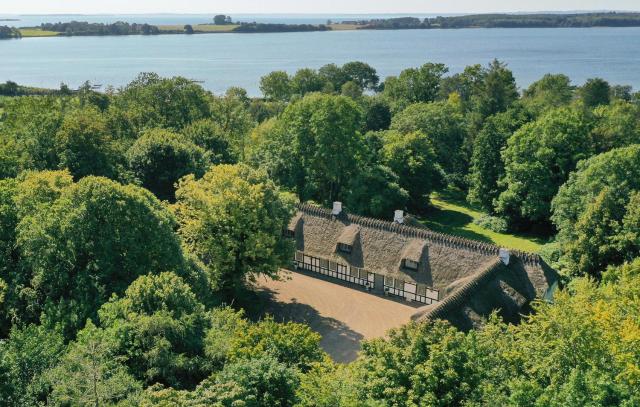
column 224, row 60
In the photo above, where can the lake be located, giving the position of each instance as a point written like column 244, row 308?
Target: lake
column 224, row 60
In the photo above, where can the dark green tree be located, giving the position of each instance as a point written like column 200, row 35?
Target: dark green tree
column 538, row 160
column 443, row 125
column 210, row 136
column 151, row 101
column 596, row 212
column 306, row 81
column 314, row 146
column 487, row 167
column 160, row 158
column 159, row 327
column 377, row 115
column 364, row 75
column 411, row 156
column 595, row 92
column 498, row 90
column 25, row 358
column 415, row 85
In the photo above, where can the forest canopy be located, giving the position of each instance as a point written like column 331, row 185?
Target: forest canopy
column 134, row 222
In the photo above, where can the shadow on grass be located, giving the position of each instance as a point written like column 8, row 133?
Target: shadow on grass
column 338, row 339
column 451, row 222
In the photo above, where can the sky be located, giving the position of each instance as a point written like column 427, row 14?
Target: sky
column 305, row 6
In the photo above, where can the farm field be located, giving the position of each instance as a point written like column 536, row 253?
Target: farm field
column 36, row 32
column 200, row 28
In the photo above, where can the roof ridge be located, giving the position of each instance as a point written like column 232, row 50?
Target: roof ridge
column 422, row 232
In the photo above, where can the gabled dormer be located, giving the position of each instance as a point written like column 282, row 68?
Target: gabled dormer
column 413, row 255
column 294, row 228
column 348, row 239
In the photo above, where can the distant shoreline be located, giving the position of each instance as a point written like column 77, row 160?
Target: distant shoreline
column 584, row 20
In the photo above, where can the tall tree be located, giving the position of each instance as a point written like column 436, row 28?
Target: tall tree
column 538, row 160
column 315, row 144
column 411, row 156
column 487, row 167
column 362, row 74
column 306, row 81
column 151, row 101
column 232, row 219
column 443, row 125
column 90, row 374
column 498, row 90
column 276, row 86
column 595, row 92
column 160, row 158
column 415, row 85
column 596, row 212
column 86, row 245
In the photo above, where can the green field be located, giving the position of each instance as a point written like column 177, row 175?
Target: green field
column 36, row 32
column 200, row 28
column 454, row 216
column 343, row 27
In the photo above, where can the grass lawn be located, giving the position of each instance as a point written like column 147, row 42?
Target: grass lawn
column 343, row 27
column 200, row 28
column 36, row 32
column 454, row 216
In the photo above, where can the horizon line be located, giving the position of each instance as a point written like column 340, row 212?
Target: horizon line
column 408, row 13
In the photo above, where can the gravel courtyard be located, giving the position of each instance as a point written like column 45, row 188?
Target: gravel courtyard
column 342, row 315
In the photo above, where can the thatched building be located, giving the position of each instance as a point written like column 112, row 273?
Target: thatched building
column 457, row 279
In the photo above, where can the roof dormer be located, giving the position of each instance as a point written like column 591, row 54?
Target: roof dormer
column 413, row 255
column 348, row 239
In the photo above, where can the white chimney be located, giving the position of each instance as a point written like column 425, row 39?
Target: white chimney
column 398, row 216
column 505, row 256
column 337, row 208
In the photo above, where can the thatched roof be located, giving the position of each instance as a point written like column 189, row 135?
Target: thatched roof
column 454, row 266
column 380, row 247
column 509, row 290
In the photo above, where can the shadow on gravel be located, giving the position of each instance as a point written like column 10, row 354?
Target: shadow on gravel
column 338, row 340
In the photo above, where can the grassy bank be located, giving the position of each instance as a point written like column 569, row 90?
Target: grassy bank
column 452, row 215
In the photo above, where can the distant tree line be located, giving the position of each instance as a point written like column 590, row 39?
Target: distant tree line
column 505, row 21
column 9, row 32
column 273, row 28
column 77, row 28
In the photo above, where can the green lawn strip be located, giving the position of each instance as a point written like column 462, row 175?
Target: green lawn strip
column 36, row 32
column 199, row 28
column 455, row 217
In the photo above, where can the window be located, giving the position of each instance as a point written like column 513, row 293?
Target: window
column 289, row 233
column 411, row 265
column 344, row 248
